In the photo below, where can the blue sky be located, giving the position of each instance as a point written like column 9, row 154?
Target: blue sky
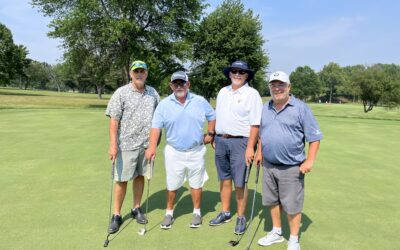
column 297, row 33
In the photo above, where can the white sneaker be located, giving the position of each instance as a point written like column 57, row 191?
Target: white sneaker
column 293, row 245
column 270, row 238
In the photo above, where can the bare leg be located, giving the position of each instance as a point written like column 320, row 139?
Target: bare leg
column 276, row 216
column 170, row 199
column 196, row 197
column 138, row 187
column 241, row 199
column 119, row 195
column 226, row 193
column 294, row 223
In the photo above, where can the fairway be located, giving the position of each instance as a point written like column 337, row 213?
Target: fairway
column 56, row 175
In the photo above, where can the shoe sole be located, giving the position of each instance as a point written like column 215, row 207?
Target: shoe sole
column 165, row 227
column 226, row 221
column 237, row 233
column 194, row 226
column 271, row 243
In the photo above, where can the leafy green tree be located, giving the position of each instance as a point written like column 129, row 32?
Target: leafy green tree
column 305, row 83
column 37, row 75
column 12, row 57
column 109, row 33
column 331, row 76
column 227, row 34
column 349, row 87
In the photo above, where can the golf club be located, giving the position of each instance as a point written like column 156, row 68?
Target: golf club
column 149, row 175
column 246, row 179
column 111, row 198
column 252, row 208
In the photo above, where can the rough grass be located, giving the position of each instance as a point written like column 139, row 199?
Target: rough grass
column 55, row 183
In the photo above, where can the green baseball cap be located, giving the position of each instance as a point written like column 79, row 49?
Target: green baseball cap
column 138, row 65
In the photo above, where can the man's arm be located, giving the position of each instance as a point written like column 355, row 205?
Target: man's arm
column 154, row 136
column 251, row 143
column 307, row 165
column 113, row 148
column 209, row 138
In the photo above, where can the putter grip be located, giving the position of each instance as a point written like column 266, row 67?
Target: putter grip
column 257, row 173
column 246, row 179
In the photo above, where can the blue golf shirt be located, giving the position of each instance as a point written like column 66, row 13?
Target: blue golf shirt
column 183, row 123
column 283, row 134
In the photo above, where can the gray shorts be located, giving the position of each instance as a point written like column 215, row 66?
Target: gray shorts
column 130, row 164
column 283, row 185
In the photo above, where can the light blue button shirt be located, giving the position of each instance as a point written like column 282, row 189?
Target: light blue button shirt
column 183, row 123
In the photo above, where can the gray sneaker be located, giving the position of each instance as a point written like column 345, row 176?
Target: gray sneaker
column 196, row 221
column 167, row 222
column 293, row 245
column 270, row 238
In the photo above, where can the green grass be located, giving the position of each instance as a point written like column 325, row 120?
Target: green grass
column 55, row 182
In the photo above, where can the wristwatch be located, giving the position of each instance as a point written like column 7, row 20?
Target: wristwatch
column 211, row 133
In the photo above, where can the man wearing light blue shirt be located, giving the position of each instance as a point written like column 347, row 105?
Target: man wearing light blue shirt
column 183, row 115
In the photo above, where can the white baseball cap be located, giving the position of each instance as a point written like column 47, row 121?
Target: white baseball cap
column 179, row 75
column 279, row 76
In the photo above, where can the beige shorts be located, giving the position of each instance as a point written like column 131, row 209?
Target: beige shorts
column 130, row 164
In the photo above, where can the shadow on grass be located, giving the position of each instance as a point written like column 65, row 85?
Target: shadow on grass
column 266, row 215
column 20, row 94
column 96, row 106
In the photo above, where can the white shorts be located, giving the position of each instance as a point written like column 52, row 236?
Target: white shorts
column 182, row 165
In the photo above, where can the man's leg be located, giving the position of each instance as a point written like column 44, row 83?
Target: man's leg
column 138, row 187
column 276, row 216
column 170, row 199
column 119, row 195
column 294, row 223
column 241, row 199
column 196, row 197
column 226, row 193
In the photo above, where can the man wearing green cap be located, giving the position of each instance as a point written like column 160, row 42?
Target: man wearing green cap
column 130, row 109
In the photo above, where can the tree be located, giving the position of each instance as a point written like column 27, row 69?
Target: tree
column 331, row 76
column 349, row 87
column 109, row 33
column 12, row 57
column 227, row 34
column 305, row 83
column 37, row 75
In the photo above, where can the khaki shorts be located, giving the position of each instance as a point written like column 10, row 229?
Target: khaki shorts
column 130, row 164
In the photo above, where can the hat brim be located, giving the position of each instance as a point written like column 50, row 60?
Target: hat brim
column 249, row 72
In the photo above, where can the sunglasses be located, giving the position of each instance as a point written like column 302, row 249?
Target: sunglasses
column 139, row 71
column 181, row 84
column 238, row 71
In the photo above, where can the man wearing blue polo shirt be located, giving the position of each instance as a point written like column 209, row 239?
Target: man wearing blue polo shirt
column 183, row 114
column 286, row 124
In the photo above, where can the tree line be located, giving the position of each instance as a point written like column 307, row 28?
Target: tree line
column 101, row 38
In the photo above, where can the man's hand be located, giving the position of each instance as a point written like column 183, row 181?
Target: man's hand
column 150, row 153
column 249, row 155
column 112, row 152
column 208, row 139
column 259, row 158
column 306, row 166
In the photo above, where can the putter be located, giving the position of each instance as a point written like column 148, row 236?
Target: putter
column 246, row 179
column 252, row 208
column 111, row 198
column 149, row 174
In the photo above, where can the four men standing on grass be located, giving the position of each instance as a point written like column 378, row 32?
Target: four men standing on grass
column 281, row 128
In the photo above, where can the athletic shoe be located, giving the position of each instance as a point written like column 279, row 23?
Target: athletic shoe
column 196, row 221
column 167, row 222
column 222, row 217
column 240, row 227
column 116, row 221
column 293, row 245
column 138, row 215
column 270, row 238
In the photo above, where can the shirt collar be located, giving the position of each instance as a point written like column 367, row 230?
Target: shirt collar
column 134, row 89
column 292, row 102
column 239, row 90
column 189, row 96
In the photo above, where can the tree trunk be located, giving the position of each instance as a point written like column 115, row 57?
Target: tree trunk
column 99, row 91
column 330, row 94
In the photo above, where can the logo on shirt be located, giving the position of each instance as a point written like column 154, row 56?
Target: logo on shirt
column 317, row 132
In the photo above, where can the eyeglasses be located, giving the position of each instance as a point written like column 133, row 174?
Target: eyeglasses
column 238, row 71
column 139, row 70
column 177, row 84
column 279, row 85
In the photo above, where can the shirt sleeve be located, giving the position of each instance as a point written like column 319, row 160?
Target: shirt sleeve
column 209, row 111
column 158, row 119
column 311, row 128
column 256, row 109
column 114, row 107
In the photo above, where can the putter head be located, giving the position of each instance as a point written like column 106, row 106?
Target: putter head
column 142, row 232
column 233, row 243
column 106, row 243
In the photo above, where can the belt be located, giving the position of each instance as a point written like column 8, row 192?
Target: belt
column 229, row 136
